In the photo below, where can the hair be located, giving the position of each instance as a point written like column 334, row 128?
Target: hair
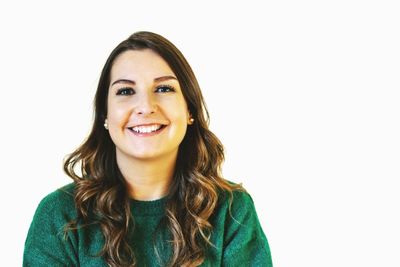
column 101, row 194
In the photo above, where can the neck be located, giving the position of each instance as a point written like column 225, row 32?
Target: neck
column 147, row 179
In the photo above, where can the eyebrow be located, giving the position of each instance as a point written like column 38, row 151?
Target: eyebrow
column 158, row 79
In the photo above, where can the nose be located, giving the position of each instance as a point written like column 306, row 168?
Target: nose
column 145, row 104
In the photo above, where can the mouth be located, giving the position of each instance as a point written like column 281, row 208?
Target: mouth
column 147, row 129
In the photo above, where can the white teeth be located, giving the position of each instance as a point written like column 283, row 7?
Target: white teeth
column 147, row 129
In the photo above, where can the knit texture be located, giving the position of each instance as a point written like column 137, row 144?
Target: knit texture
column 238, row 237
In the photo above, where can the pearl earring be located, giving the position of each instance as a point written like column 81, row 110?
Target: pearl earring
column 191, row 120
column 105, row 124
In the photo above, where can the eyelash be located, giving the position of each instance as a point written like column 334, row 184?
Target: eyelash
column 169, row 87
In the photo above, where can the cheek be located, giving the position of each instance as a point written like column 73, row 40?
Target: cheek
column 179, row 115
column 116, row 114
column 179, row 109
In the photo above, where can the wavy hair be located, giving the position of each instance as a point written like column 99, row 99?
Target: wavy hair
column 101, row 195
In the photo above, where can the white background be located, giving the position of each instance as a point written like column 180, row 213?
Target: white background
column 303, row 94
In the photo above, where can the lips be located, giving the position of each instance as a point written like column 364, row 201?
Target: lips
column 145, row 129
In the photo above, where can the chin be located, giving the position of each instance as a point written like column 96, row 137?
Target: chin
column 145, row 155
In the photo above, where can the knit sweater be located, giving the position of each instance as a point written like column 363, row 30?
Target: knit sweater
column 238, row 237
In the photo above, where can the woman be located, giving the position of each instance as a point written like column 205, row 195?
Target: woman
column 149, row 191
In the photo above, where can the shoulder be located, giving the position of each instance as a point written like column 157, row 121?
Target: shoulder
column 59, row 202
column 234, row 207
column 238, row 199
column 59, row 197
column 239, row 231
column 47, row 244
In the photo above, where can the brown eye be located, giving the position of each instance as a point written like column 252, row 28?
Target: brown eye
column 125, row 91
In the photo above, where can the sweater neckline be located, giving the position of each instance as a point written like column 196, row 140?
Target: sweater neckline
column 148, row 207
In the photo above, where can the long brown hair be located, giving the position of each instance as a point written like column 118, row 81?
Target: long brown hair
column 101, row 194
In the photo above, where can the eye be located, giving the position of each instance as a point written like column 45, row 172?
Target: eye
column 125, row 91
column 165, row 88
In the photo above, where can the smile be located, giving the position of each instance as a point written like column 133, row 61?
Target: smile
column 147, row 130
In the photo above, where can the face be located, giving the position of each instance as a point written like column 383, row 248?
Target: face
column 147, row 113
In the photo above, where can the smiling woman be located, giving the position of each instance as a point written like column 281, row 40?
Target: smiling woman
column 150, row 191
column 147, row 119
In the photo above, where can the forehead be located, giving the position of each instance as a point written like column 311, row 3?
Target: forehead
column 140, row 63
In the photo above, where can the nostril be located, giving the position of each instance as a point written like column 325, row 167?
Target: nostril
column 141, row 111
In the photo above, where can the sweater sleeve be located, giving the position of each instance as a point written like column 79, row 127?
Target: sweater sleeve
column 45, row 244
column 245, row 242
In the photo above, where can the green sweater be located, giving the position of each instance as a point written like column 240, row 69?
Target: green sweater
column 239, row 241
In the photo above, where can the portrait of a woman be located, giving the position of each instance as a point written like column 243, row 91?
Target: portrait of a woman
column 147, row 187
